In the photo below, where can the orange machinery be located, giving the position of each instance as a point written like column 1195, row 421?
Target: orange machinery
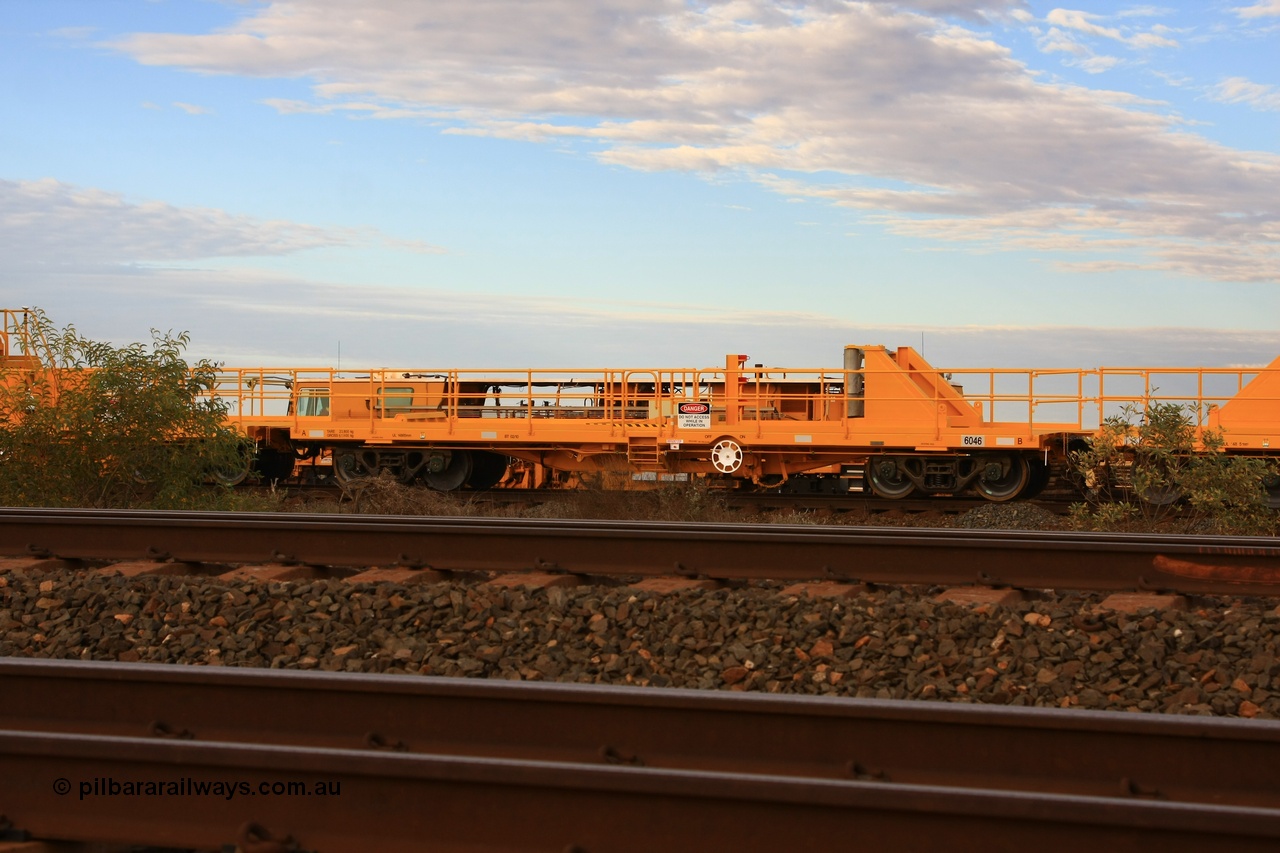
column 17, row 357
column 887, row 416
column 908, row 427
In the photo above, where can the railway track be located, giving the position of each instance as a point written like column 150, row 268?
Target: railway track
column 740, row 500
column 340, row 545
column 342, row 762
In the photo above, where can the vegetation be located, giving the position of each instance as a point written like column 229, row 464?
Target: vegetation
column 384, row 495
column 93, row 425
column 1143, row 471
column 87, row 424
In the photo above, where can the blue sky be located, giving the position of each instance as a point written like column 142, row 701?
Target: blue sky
column 647, row 182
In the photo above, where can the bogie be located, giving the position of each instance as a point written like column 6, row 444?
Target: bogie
column 996, row 477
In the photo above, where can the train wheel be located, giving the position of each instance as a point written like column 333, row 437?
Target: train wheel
column 152, row 468
column 347, row 466
column 887, row 480
column 234, row 473
column 1271, row 486
column 1153, row 482
column 1038, row 480
column 1159, row 495
column 145, row 475
column 451, row 477
column 487, row 470
column 274, row 465
column 726, row 455
column 1003, row 478
column 1271, row 483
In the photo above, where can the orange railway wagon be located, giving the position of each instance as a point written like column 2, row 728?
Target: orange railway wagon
column 18, row 360
column 884, row 418
column 909, row 428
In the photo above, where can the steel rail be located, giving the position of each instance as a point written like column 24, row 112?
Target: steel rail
column 1104, row 754
column 410, row 802
column 1054, row 559
column 837, row 503
column 874, row 503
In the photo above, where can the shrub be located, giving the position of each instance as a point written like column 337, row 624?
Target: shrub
column 93, row 425
column 1150, row 467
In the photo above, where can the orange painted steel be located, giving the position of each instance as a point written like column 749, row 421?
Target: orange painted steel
column 912, row 426
column 18, row 358
column 753, row 422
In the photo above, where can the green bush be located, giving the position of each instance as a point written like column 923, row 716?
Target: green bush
column 101, row 426
column 1146, row 470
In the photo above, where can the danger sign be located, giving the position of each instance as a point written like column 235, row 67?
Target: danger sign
column 693, row 416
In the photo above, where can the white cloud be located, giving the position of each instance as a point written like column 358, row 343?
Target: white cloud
column 1086, row 23
column 353, row 109
column 1060, row 41
column 246, row 317
column 49, row 225
column 1070, row 28
column 871, row 91
column 1238, row 90
column 1080, row 21
column 972, row 10
column 1267, row 8
column 1142, row 12
column 1098, row 64
column 192, row 109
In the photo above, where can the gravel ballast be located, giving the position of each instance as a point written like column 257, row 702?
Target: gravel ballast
column 1217, row 657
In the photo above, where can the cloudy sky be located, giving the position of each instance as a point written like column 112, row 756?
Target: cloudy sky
column 505, row 183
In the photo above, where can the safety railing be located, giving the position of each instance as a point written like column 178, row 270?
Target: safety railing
column 1036, row 399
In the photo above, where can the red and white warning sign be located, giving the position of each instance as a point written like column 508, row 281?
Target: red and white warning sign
column 693, row 416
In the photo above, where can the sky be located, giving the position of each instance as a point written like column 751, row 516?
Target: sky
column 647, row 183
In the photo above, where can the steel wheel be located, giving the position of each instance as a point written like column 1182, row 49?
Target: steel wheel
column 1038, row 480
column 726, row 455
column 1002, row 477
column 887, row 480
column 347, row 466
column 1159, row 495
column 1271, row 482
column 1154, row 483
column 487, row 470
column 234, row 474
column 451, row 477
column 273, row 464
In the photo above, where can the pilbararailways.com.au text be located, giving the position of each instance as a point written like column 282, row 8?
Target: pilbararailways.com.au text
column 107, row 786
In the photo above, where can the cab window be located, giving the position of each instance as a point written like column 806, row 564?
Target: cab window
column 313, row 402
column 393, row 401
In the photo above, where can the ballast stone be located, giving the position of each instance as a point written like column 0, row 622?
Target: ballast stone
column 1217, row 656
